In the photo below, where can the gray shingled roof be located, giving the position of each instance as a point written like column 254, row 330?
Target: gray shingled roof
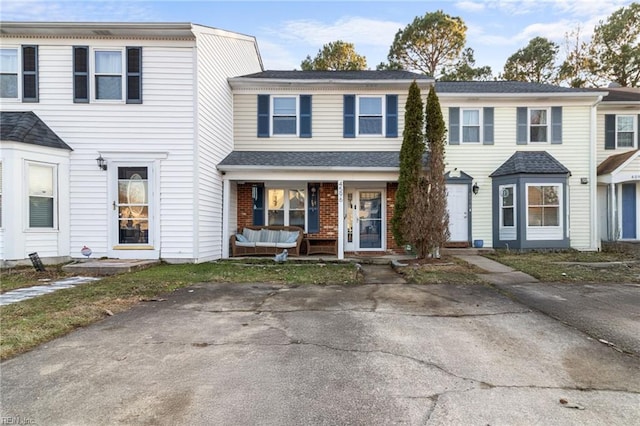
column 26, row 127
column 530, row 162
column 621, row 94
column 339, row 75
column 502, row 87
column 307, row 160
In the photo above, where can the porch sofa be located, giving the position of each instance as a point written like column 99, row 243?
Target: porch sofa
column 267, row 240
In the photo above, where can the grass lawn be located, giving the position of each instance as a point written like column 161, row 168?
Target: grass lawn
column 449, row 270
column 14, row 278
column 32, row 322
column 560, row 267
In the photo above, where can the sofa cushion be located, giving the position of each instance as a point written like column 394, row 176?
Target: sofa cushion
column 265, row 244
column 288, row 236
column 241, row 238
column 245, row 244
column 286, row 245
column 269, row 236
column 251, row 235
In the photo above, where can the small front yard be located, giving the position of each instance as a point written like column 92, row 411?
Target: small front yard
column 447, row 270
column 573, row 266
column 32, row 322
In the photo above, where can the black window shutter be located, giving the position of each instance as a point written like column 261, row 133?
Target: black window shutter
column 609, row 131
column 257, row 193
column 522, row 135
column 392, row 116
column 29, row 73
column 556, row 125
column 80, row 74
column 134, row 75
column 305, row 116
column 487, row 118
column 263, row 116
column 313, row 209
column 454, row 126
column 349, row 122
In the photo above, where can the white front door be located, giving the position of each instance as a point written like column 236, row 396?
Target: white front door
column 458, row 208
column 364, row 220
column 131, row 211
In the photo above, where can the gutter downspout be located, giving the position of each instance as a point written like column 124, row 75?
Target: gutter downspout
column 593, row 189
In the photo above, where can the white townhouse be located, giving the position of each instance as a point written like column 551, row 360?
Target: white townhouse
column 110, row 137
column 320, row 150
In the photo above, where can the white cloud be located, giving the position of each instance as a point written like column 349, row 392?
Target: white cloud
column 470, row 6
column 277, row 56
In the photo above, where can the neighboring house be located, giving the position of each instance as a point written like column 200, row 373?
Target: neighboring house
column 152, row 102
column 320, row 149
column 618, row 154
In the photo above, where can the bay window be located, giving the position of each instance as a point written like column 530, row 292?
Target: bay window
column 543, row 205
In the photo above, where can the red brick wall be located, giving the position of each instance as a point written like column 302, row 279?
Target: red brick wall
column 328, row 211
column 391, row 201
column 245, row 206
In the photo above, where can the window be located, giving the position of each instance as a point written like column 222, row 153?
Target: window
column 108, row 74
column 625, row 135
column 370, row 116
column 41, row 184
column 508, row 206
column 285, row 112
column 543, row 205
column 286, row 207
column 9, row 73
column 470, row 126
column 538, row 125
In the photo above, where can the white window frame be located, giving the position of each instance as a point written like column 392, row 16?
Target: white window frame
column 123, row 73
column 508, row 233
column 272, row 115
column 285, row 206
column 634, row 129
column 18, row 98
column 383, row 115
column 548, row 124
column 54, row 174
column 480, row 126
column 545, row 232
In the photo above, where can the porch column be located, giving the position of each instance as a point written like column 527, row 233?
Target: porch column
column 612, row 213
column 226, row 196
column 340, row 219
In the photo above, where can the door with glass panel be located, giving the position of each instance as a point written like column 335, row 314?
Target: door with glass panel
column 131, row 209
column 364, row 220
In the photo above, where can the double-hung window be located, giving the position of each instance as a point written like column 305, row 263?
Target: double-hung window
column 285, row 115
column 625, row 134
column 108, row 74
column 9, row 73
column 470, row 126
column 370, row 113
column 19, row 73
column 543, row 205
column 286, row 207
column 538, row 125
column 41, row 181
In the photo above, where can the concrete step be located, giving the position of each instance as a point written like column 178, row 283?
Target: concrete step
column 103, row 267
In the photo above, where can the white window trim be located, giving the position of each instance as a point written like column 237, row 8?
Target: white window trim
column 480, row 125
column 272, row 101
column 285, row 207
column 514, row 206
column 123, row 68
column 383, row 115
column 548, row 125
column 18, row 74
column 508, row 233
column 27, row 196
column 545, row 232
column 635, row 128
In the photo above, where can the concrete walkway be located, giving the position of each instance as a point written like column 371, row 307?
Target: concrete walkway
column 497, row 273
column 21, row 294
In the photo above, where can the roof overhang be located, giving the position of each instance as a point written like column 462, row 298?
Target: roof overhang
column 177, row 30
column 624, row 172
column 245, row 82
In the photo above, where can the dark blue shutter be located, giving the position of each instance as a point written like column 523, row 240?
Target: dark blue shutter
column 454, row 126
column 305, row 116
column 134, row 75
column 487, row 118
column 392, row 116
column 313, row 208
column 263, row 116
column 257, row 195
column 609, row 131
column 29, row 73
column 522, row 133
column 80, row 74
column 349, row 122
column 556, row 125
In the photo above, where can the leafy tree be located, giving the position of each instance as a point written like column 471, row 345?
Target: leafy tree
column 575, row 69
column 615, row 47
column 388, row 66
column 534, row 63
column 426, row 219
column 429, row 43
column 410, row 158
column 335, row 56
column 465, row 69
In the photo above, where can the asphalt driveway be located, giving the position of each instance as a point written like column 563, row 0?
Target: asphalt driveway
column 373, row 354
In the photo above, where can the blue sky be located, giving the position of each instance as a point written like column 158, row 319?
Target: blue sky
column 289, row 31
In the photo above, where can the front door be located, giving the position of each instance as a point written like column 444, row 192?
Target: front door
column 458, row 208
column 131, row 211
column 629, row 211
column 364, row 220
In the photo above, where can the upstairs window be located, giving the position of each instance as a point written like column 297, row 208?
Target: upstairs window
column 285, row 113
column 370, row 115
column 625, row 135
column 470, row 125
column 108, row 75
column 538, row 125
column 9, row 73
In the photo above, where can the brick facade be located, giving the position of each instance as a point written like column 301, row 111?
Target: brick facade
column 392, row 187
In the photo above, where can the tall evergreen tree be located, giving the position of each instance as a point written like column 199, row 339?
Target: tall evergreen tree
column 410, row 158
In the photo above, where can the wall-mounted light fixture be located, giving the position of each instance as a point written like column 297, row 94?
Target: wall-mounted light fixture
column 584, row 181
column 475, row 188
column 102, row 163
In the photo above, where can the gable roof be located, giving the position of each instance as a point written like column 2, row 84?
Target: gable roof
column 622, row 94
column 530, row 162
column 26, row 127
column 610, row 164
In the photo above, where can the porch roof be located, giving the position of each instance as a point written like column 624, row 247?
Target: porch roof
column 614, row 162
column 530, row 162
column 304, row 160
column 27, row 127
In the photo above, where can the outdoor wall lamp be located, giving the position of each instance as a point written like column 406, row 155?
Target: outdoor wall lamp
column 102, row 163
column 475, row 188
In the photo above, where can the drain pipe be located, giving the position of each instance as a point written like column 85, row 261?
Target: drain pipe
column 593, row 189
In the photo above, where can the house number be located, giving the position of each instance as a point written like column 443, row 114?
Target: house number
column 340, row 192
